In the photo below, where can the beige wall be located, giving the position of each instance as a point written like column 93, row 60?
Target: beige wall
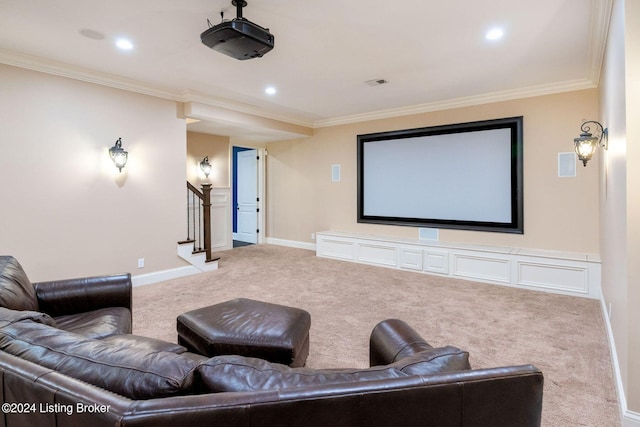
column 217, row 148
column 620, row 192
column 632, row 80
column 559, row 213
column 66, row 211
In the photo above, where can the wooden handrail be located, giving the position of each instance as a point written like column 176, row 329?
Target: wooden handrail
column 204, row 221
column 195, row 190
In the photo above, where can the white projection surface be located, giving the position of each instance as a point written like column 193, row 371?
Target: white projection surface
column 458, row 176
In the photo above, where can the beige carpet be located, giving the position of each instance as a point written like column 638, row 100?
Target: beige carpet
column 563, row 336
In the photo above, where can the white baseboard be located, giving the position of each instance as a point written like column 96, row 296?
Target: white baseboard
column 291, row 243
column 629, row 418
column 566, row 273
column 160, row 276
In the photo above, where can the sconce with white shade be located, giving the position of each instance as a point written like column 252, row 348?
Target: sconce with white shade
column 205, row 166
column 586, row 144
column 118, row 155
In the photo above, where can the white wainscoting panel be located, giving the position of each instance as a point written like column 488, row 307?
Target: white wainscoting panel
column 482, row 268
column 377, row 254
column 221, row 234
column 334, row 248
column 436, row 261
column 410, row 258
column 558, row 272
column 574, row 278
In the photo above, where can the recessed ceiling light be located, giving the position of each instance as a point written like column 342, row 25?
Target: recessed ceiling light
column 270, row 90
column 124, row 44
column 494, row 34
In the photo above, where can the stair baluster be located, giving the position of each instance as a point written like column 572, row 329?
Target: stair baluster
column 199, row 219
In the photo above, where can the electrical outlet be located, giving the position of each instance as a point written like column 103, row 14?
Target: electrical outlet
column 140, row 262
column 313, row 236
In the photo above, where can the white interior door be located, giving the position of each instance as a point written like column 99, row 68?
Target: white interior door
column 247, row 205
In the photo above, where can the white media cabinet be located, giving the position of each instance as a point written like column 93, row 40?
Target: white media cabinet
column 566, row 273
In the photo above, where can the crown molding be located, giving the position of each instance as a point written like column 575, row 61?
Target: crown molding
column 48, row 66
column 84, row 74
column 467, row 101
column 599, row 29
column 599, row 25
column 194, row 96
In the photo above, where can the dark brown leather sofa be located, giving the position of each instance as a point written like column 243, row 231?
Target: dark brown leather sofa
column 67, row 359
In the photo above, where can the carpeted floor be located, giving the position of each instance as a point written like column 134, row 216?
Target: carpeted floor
column 561, row 335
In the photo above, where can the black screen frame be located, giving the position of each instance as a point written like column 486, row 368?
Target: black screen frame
column 516, row 225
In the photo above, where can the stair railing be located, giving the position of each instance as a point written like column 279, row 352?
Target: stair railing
column 199, row 219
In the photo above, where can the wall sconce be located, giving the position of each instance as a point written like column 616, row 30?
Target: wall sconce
column 118, row 155
column 586, row 144
column 205, row 166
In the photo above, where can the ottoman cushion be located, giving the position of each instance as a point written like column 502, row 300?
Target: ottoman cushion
column 246, row 327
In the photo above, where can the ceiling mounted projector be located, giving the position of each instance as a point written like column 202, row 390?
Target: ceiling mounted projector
column 239, row 38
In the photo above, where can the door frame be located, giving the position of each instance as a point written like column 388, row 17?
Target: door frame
column 262, row 153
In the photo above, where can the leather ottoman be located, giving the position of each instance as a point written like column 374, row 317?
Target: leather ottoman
column 246, row 327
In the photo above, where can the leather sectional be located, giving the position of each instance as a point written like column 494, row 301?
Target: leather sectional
column 67, row 358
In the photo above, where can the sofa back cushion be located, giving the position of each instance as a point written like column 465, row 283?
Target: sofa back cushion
column 132, row 372
column 237, row 373
column 16, row 291
column 434, row 361
column 8, row 316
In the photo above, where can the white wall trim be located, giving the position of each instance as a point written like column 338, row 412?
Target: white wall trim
column 487, row 98
column 221, row 235
column 290, row 243
column 175, row 273
column 566, row 273
column 160, row 276
column 629, row 418
column 94, row 76
column 35, row 63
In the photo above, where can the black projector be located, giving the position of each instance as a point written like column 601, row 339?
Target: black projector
column 239, row 38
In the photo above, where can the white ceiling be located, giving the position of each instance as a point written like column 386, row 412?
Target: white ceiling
column 433, row 54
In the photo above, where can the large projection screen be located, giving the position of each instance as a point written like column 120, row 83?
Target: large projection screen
column 466, row 176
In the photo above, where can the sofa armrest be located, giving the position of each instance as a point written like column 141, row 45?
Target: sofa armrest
column 503, row 396
column 392, row 340
column 72, row 296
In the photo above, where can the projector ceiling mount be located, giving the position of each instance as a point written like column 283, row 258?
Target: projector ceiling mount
column 239, row 5
column 238, row 38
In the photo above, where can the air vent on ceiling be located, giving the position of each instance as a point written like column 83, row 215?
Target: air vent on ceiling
column 376, row 82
